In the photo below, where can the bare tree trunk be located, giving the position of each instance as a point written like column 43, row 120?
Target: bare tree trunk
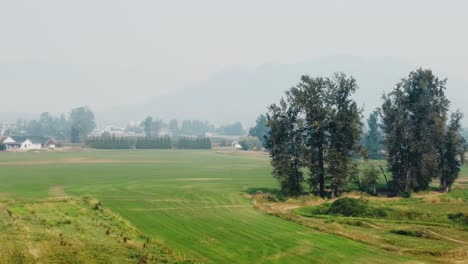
column 383, row 172
column 407, row 180
column 444, row 186
column 321, row 172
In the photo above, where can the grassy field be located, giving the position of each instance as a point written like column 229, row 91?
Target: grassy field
column 430, row 224
column 192, row 201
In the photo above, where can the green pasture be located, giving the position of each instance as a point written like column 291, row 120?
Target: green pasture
column 192, row 201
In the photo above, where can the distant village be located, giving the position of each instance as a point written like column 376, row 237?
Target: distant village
column 50, row 133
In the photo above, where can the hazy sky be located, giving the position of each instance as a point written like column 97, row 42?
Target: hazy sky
column 55, row 55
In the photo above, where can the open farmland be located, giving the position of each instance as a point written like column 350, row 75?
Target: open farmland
column 193, row 202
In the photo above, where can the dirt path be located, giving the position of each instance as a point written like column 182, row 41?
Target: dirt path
column 448, row 238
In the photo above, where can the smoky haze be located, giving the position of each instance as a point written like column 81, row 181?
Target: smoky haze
column 217, row 60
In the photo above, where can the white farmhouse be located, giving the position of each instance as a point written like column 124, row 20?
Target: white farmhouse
column 26, row 143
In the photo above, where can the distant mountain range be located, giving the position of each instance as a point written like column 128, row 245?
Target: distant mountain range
column 242, row 94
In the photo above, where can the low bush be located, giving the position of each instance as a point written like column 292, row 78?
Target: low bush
column 415, row 233
column 380, row 212
column 266, row 197
column 348, row 207
column 459, row 218
column 412, row 233
column 321, row 209
column 250, row 143
column 353, row 208
column 357, row 223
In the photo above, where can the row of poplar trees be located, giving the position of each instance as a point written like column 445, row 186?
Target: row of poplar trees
column 316, row 128
column 165, row 142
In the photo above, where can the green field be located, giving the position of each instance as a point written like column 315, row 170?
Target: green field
column 192, row 201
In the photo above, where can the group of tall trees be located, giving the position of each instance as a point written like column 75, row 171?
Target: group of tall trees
column 154, row 127
column 235, row 129
column 421, row 141
column 46, row 125
column 318, row 126
column 195, row 128
column 74, row 128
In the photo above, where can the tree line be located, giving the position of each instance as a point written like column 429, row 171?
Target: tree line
column 317, row 128
column 112, row 142
column 154, row 127
column 73, row 128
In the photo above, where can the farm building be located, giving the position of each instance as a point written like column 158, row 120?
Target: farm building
column 26, row 143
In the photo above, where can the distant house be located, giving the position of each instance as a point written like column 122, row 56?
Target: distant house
column 49, row 143
column 13, row 143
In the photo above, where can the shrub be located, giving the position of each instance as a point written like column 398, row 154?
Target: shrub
column 358, row 223
column 321, row 209
column 379, row 212
column 348, row 207
column 250, row 143
column 413, row 233
column 266, row 197
column 459, row 218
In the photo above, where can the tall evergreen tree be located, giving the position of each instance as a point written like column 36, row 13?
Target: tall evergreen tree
column 453, row 152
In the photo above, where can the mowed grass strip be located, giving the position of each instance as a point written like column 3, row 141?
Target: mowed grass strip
column 206, row 216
